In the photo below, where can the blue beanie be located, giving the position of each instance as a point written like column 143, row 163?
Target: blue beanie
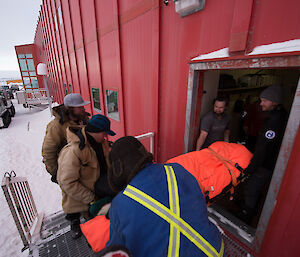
column 99, row 123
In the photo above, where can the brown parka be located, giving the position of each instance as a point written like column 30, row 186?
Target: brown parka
column 56, row 138
column 78, row 170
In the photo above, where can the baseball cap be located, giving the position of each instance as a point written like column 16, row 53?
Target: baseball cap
column 74, row 100
column 99, row 123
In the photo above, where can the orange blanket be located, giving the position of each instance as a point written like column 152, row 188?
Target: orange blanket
column 213, row 167
column 96, row 232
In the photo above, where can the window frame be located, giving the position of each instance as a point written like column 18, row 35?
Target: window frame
column 30, row 64
column 95, row 108
column 66, row 89
column 118, row 104
column 24, row 61
column 31, row 81
column 29, row 86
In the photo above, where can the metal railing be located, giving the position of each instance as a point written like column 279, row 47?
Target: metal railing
column 147, row 135
column 23, row 209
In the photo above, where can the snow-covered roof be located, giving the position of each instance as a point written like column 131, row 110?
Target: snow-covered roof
column 222, row 53
column 281, row 47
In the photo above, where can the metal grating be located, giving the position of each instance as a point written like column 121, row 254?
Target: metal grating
column 55, row 240
column 232, row 249
column 65, row 246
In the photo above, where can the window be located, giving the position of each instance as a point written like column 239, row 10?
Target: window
column 23, row 65
column 70, row 88
column 66, row 89
column 112, row 104
column 26, row 82
column 28, row 71
column 96, row 99
column 34, row 82
column 30, row 64
column 59, row 14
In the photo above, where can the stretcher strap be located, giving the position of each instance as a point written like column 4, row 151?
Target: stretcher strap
column 225, row 161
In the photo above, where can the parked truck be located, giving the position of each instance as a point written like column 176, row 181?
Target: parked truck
column 7, row 110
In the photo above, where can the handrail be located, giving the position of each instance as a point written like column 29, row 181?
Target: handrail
column 22, row 206
column 146, row 135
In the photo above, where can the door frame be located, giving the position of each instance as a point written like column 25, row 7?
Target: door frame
column 194, row 95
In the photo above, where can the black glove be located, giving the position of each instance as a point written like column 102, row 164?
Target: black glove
column 53, row 179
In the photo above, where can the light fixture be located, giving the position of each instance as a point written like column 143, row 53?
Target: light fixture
column 186, row 7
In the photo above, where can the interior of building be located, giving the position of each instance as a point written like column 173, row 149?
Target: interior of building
column 242, row 88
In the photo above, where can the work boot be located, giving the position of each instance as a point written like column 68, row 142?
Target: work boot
column 75, row 229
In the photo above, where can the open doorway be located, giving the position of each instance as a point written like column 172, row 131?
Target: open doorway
column 242, row 86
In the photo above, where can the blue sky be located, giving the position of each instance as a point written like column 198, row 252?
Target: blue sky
column 18, row 19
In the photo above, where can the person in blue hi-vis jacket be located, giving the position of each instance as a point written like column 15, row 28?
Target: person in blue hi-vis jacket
column 160, row 209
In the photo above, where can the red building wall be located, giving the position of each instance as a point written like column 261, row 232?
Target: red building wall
column 142, row 49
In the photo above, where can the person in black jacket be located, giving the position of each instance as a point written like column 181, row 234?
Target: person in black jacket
column 266, row 150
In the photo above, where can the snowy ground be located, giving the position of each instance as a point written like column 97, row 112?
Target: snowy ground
column 20, row 150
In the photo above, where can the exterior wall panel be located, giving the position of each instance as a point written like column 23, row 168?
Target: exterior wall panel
column 64, row 45
column 70, row 46
column 90, row 45
column 85, row 91
column 274, row 21
column 53, row 40
column 109, row 48
column 139, row 92
column 79, row 50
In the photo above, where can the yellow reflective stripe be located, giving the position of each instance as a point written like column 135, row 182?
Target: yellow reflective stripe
column 222, row 249
column 173, row 251
column 177, row 205
column 171, row 248
column 176, row 190
column 212, row 251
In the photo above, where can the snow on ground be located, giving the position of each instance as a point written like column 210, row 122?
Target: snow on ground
column 20, row 150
